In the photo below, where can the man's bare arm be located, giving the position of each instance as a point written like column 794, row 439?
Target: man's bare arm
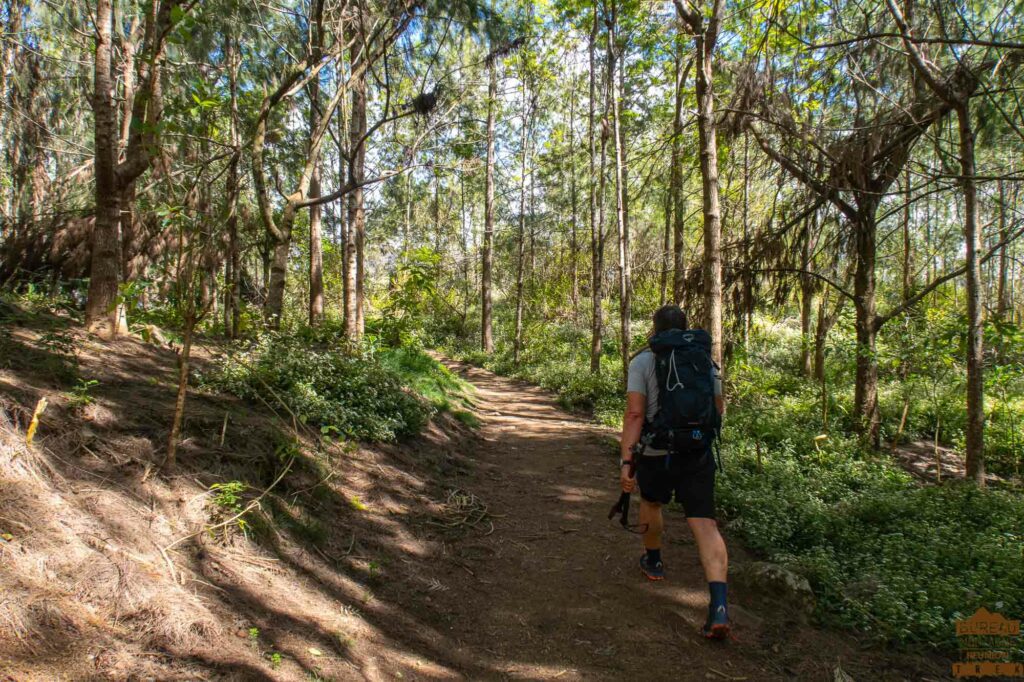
column 633, row 422
column 632, row 425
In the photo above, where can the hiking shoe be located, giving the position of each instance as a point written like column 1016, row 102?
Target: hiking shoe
column 655, row 571
column 717, row 625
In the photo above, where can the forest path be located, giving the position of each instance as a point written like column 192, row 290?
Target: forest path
column 554, row 592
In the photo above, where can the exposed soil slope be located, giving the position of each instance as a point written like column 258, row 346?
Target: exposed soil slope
column 459, row 556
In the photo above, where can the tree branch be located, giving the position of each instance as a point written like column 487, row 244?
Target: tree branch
column 935, row 284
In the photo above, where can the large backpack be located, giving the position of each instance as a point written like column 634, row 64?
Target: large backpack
column 687, row 421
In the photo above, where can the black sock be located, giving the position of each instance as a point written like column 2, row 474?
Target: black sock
column 718, row 594
column 653, row 556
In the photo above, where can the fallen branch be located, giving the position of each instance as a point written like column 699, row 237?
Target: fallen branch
column 170, row 564
column 248, row 508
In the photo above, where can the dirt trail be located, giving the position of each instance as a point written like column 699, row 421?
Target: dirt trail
column 372, row 563
column 555, row 593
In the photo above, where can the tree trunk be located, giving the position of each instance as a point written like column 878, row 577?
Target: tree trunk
column 521, row 237
column 1003, row 290
column 8, row 50
column 574, row 249
column 676, row 183
column 806, row 303
column 350, row 270
column 226, row 293
column 620, row 204
column 709, row 180
column 316, row 253
column 975, row 444
column 359, row 218
column 130, row 238
column 436, row 212
column 128, row 50
column 748, row 289
column 101, row 315
column 347, row 276
column 532, row 271
column 596, row 210
column 356, row 215
column 232, row 294
column 464, row 240
column 666, row 248
column 273, row 309
column 486, row 336
column 407, row 225
column 179, row 403
column 820, row 337
column 908, row 257
column 316, row 257
column 866, row 390
column 266, row 255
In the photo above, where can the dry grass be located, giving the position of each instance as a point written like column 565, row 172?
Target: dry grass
column 82, row 565
column 108, row 565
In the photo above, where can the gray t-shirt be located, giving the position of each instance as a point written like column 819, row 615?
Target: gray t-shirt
column 643, row 380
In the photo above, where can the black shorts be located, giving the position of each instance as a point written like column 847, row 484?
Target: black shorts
column 694, row 488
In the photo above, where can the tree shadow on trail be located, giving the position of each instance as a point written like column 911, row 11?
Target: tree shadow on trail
column 342, row 557
column 454, row 554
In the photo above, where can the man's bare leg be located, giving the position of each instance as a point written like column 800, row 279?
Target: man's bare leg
column 715, row 559
column 713, row 555
column 652, row 522
column 650, row 516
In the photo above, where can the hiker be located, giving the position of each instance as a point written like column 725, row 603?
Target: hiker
column 674, row 405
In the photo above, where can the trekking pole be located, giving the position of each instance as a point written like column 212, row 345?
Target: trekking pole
column 622, row 506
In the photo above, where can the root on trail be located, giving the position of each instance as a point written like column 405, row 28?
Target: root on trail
column 462, row 512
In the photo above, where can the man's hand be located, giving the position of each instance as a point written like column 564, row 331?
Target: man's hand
column 628, row 479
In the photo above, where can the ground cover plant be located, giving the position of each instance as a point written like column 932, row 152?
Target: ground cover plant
column 361, row 393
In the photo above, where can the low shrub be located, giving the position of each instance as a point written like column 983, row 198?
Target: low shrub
column 349, row 391
column 427, row 377
column 898, row 561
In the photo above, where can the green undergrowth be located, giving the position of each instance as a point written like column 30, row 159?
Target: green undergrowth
column 887, row 556
column 361, row 392
column 428, row 378
column 895, row 560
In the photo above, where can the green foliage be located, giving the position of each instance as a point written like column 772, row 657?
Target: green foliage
column 228, row 496
column 350, row 391
column 424, row 375
column 79, row 395
column 885, row 555
column 228, row 499
column 52, row 315
column 412, row 296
